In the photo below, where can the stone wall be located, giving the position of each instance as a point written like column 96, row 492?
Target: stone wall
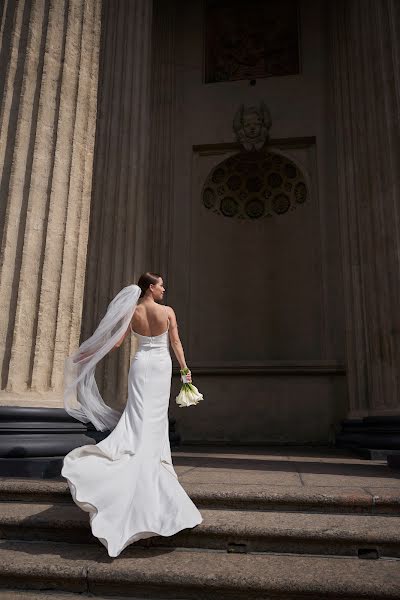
column 260, row 302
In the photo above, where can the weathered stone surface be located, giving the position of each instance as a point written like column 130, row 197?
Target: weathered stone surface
column 267, row 550
column 255, row 531
column 194, row 574
column 365, row 57
column 354, row 488
column 36, row 567
column 163, row 135
column 265, row 477
column 119, row 240
column 44, row 595
column 48, row 595
column 48, row 119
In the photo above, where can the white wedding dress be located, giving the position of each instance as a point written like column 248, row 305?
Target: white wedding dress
column 134, row 494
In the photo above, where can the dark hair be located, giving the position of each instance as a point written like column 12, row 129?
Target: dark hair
column 145, row 280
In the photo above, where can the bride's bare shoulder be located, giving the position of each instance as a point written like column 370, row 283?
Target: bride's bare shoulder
column 171, row 313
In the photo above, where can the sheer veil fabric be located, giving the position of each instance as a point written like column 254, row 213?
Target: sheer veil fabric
column 82, row 399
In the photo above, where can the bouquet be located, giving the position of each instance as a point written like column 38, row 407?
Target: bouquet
column 189, row 393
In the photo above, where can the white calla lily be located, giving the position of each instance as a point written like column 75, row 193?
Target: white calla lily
column 189, row 395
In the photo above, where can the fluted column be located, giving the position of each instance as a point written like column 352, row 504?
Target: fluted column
column 118, row 246
column 49, row 66
column 365, row 58
column 163, row 92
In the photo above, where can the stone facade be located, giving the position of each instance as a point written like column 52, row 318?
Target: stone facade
column 262, row 302
column 280, row 315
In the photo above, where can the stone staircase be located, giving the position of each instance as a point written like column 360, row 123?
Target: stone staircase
column 254, row 543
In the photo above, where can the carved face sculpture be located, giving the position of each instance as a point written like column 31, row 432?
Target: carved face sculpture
column 252, row 124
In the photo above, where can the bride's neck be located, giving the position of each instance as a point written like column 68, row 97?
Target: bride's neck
column 149, row 300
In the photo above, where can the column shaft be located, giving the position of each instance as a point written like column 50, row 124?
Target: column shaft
column 118, row 247
column 366, row 83
column 49, row 51
column 163, row 106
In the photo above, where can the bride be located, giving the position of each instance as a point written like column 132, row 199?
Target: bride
column 127, row 482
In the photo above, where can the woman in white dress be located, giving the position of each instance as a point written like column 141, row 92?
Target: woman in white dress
column 127, row 482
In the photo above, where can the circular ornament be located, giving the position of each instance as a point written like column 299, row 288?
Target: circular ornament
column 281, row 204
column 218, row 175
column 300, row 192
column 229, row 207
column 254, row 208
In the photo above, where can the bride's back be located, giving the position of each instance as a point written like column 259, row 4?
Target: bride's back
column 149, row 319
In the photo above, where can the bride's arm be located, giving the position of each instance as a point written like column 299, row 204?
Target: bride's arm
column 175, row 340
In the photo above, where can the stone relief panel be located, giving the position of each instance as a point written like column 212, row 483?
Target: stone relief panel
column 250, row 39
column 251, row 125
column 256, row 183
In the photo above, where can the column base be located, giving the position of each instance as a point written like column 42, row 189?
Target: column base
column 372, row 437
column 34, row 440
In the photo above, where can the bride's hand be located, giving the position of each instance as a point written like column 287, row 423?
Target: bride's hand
column 188, row 376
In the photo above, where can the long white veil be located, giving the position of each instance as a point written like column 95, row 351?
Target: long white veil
column 82, row 399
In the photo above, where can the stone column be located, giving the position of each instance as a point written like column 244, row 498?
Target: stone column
column 365, row 54
column 118, row 246
column 49, row 66
column 163, row 97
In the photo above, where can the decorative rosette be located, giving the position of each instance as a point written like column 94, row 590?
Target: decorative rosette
column 189, row 394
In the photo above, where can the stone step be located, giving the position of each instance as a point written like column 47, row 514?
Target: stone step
column 232, row 496
column 43, row 595
column 229, row 530
column 188, row 574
